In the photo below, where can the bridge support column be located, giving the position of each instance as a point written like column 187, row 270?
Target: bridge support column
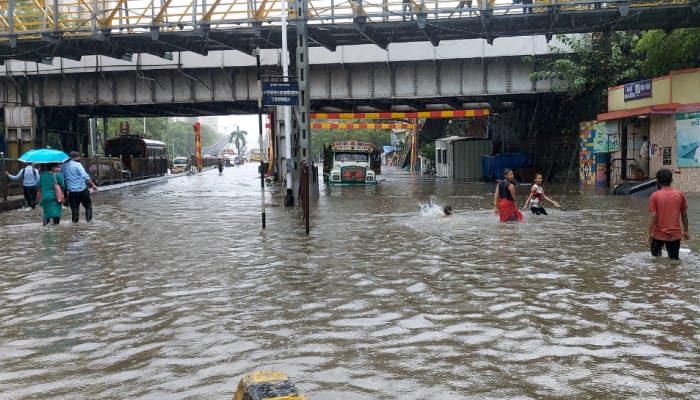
column 20, row 132
column 304, row 135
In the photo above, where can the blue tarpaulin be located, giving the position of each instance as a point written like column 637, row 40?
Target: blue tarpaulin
column 388, row 149
column 492, row 166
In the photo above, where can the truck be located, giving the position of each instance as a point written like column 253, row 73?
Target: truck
column 254, row 155
column 350, row 162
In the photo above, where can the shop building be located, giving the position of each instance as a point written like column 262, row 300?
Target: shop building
column 649, row 125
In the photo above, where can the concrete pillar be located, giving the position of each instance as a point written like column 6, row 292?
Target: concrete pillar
column 20, row 133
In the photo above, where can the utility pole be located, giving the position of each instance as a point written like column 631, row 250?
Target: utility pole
column 302, row 58
column 260, row 139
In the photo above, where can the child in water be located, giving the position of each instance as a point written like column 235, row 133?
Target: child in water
column 536, row 197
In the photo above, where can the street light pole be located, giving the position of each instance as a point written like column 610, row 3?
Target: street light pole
column 260, row 140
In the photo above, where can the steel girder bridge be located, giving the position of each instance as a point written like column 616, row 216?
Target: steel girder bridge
column 38, row 30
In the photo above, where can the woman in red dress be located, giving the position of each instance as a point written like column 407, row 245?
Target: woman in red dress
column 504, row 199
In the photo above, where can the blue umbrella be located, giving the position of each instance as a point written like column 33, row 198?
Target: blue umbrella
column 42, row 156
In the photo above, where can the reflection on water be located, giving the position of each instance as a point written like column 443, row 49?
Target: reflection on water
column 174, row 291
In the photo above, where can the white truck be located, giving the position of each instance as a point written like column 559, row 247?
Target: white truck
column 349, row 162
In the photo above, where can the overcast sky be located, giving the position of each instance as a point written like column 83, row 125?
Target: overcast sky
column 227, row 123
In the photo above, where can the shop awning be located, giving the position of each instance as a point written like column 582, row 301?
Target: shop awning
column 668, row 108
column 688, row 107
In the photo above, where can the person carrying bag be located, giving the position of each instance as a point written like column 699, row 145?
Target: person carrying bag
column 52, row 187
column 59, row 193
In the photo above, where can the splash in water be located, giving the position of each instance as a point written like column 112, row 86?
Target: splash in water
column 433, row 209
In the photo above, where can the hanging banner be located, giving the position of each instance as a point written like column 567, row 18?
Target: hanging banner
column 688, row 139
column 606, row 137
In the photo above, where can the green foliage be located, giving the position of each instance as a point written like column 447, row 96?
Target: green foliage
column 590, row 63
column 238, row 138
column 457, row 127
column 321, row 137
column 427, row 151
column 177, row 134
column 661, row 52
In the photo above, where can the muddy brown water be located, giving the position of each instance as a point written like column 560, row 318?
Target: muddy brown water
column 175, row 292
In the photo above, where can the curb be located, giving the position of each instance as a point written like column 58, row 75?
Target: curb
column 17, row 202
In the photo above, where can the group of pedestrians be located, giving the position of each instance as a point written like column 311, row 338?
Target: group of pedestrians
column 47, row 188
column 668, row 221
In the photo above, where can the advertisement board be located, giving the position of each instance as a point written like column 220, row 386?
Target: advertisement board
column 607, row 137
column 688, row 139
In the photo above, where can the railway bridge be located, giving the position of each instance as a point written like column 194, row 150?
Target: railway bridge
column 183, row 57
column 67, row 61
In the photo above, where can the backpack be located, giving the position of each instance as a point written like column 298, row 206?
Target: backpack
column 24, row 173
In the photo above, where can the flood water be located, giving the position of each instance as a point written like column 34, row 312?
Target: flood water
column 175, row 292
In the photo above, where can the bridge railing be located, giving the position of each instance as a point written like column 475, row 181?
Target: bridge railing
column 7, row 186
column 30, row 19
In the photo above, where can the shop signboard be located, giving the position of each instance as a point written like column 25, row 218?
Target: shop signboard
column 688, row 139
column 638, row 90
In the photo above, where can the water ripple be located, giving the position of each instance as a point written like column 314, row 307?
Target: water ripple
column 174, row 291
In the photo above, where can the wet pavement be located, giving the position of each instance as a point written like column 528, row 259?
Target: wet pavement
column 174, row 291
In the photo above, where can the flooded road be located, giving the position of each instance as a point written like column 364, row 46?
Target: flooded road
column 174, row 291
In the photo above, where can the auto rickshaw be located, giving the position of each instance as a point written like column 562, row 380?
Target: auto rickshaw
column 267, row 385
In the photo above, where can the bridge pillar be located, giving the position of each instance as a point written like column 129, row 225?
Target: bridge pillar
column 20, row 132
column 63, row 129
column 304, row 128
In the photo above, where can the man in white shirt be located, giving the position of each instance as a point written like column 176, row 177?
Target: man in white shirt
column 30, row 179
column 644, row 156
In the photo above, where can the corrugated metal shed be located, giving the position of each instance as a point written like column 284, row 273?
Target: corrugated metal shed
column 460, row 157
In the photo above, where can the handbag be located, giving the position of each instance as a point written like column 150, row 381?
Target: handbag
column 57, row 189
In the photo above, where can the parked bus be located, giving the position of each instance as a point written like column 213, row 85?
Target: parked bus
column 145, row 158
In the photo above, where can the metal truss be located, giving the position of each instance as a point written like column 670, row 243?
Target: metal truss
column 32, row 18
column 38, row 30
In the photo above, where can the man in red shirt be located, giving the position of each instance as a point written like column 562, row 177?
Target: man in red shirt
column 667, row 206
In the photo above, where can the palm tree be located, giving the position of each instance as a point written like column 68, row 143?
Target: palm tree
column 237, row 137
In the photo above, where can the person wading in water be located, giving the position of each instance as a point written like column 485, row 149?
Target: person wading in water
column 504, row 199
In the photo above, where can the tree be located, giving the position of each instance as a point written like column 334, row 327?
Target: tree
column 237, row 137
column 588, row 64
column 427, row 151
column 176, row 133
column 660, row 52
